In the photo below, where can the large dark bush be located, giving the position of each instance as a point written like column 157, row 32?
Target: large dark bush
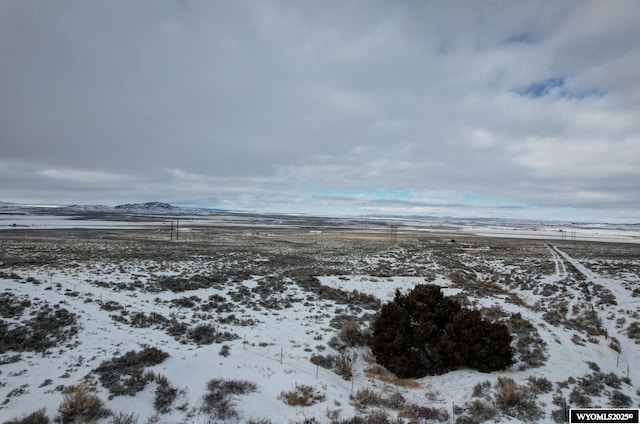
column 425, row 333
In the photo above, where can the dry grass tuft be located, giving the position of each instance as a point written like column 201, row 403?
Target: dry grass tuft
column 515, row 400
column 80, row 405
column 302, row 395
column 38, row 417
column 380, row 373
column 344, row 364
column 418, row 414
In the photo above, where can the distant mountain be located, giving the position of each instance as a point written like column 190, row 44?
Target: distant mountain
column 147, row 207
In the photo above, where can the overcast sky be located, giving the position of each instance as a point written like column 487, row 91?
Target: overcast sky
column 525, row 109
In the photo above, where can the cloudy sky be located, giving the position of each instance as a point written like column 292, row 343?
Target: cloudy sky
column 526, row 109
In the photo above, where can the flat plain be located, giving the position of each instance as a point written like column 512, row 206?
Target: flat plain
column 266, row 324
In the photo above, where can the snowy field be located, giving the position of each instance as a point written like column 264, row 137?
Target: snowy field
column 245, row 325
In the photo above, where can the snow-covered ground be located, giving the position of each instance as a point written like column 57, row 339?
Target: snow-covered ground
column 261, row 295
column 162, row 216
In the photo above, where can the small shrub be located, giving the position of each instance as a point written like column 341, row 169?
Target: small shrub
column 479, row 390
column 352, row 420
column 509, row 394
column 529, row 344
column 302, row 395
column 11, row 306
column 79, row 405
column 558, row 399
column 477, row 412
column 46, row 382
column 395, row 401
column 617, row 399
column 123, row 418
column 333, row 414
column 540, row 385
column 220, row 407
column 217, row 399
column 416, row 413
column 494, row 312
column 615, row 345
column 611, row 380
column 379, row 417
column 38, row 417
column 344, row 364
column 10, row 359
column 325, row 361
column 577, row 340
column 579, row 398
column 633, row 331
column 365, row 397
column 559, row 416
column 225, row 336
column 593, row 366
column 352, row 336
column 231, row 387
column 203, row 334
column 111, row 305
column 125, row 374
column 592, row 384
column 515, row 400
column 165, row 395
column 224, row 351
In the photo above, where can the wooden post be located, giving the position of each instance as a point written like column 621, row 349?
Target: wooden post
column 627, row 371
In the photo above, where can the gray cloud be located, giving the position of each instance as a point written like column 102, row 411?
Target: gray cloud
column 259, row 105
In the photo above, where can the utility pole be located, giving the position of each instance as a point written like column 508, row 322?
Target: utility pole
column 172, row 230
column 393, row 233
column 177, row 225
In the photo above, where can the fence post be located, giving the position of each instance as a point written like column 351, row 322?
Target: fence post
column 627, row 371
